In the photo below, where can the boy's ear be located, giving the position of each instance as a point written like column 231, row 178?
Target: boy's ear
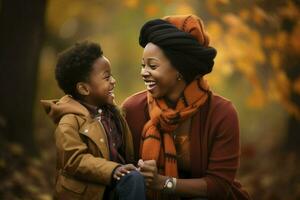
column 82, row 88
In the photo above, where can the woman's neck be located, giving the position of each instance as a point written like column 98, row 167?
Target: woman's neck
column 173, row 97
column 172, row 104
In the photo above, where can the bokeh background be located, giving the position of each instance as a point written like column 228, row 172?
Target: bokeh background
column 257, row 68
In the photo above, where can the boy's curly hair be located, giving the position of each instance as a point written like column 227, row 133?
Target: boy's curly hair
column 75, row 64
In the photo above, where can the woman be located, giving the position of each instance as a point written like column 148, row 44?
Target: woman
column 187, row 136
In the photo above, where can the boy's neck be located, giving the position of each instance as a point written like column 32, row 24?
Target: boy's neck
column 90, row 106
column 93, row 110
column 89, row 102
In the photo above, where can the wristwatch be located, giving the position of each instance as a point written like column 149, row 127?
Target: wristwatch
column 170, row 185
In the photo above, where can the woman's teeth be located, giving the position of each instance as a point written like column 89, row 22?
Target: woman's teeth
column 150, row 85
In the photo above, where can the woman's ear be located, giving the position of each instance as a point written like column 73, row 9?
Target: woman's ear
column 82, row 88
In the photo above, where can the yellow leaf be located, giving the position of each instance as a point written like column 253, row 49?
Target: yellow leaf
column 244, row 14
column 131, row 3
column 184, row 8
column 290, row 10
column 224, row 2
column 275, row 59
column 269, row 42
column 257, row 98
column 212, row 7
column 259, row 15
column 168, row 1
column 282, row 39
column 215, row 30
column 273, row 92
column 283, row 83
column 232, row 20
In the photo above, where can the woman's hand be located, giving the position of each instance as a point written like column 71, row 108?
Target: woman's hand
column 148, row 169
column 123, row 170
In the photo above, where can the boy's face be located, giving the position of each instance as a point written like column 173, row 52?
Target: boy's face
column 101, row 83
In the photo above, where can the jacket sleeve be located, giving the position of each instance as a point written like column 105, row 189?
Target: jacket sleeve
column 224, row 154
column 74, row 157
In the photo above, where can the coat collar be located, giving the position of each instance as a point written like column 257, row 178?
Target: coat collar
column 66, row 105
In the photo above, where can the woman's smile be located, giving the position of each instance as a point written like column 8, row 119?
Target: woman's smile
column 150, row 85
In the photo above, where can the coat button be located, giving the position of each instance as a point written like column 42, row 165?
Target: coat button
column 86, row 130
column 101, row 140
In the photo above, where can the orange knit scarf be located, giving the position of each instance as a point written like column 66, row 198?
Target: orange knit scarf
column 157, row 139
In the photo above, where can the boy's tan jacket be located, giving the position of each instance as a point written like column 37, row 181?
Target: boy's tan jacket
column 83, row 167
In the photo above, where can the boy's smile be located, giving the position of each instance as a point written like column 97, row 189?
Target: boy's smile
column 101, row 84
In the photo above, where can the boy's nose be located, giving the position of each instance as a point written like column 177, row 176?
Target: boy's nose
column 113, row 80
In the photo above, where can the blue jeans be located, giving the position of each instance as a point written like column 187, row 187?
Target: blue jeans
column 131, row 186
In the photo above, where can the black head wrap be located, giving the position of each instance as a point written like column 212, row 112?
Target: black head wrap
column 185, row 53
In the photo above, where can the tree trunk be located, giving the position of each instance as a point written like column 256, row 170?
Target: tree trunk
column 21, row 37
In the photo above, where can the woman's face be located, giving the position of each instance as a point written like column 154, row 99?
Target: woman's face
column 160, row 77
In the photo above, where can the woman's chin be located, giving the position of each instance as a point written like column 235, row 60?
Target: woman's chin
column 155, row 94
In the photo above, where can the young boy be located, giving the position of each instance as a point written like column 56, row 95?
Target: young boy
column 93, row 140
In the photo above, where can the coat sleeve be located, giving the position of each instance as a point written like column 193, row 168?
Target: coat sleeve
column 134, row 108
column 224, row 154
column 74, row 157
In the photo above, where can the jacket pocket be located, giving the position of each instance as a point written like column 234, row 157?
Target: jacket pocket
column 73, row 185
column 69, row 188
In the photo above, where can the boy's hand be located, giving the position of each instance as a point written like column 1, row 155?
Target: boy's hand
column 149, row 170
column 123, row 170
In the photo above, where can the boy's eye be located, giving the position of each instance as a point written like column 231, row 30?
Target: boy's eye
column 107, row 77
column 143, row 65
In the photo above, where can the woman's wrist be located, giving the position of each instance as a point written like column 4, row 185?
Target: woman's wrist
column 160, row 182
column 170, row 185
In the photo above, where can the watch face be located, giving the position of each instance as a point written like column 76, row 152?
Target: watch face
column 169, row 184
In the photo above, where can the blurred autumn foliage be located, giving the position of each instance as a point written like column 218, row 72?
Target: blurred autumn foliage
column 257, row 67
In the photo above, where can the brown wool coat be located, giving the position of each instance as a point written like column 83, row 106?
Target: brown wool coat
column 214, row 147
column 83, row 168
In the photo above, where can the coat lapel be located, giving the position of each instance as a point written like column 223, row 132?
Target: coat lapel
column 96, row 132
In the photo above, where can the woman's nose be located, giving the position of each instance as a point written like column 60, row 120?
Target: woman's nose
column 144, row 72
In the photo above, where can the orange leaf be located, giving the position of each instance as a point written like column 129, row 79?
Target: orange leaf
column 151, row 10
column 296, row 85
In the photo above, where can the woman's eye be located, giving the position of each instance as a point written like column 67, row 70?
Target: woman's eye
column 152, row 66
